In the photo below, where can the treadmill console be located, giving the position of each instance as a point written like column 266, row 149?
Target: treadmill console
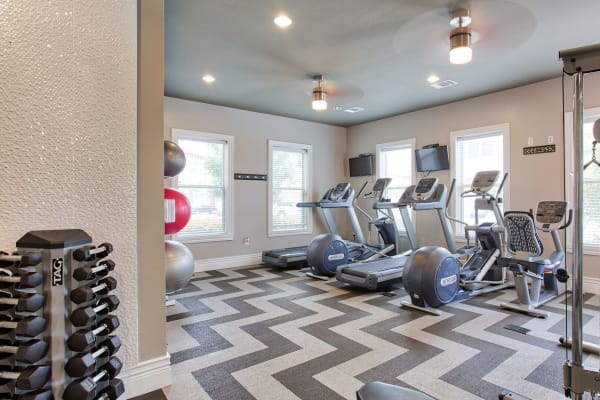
column 484, row 181
column 425, row 188
column 338, row 192
column 379, row 187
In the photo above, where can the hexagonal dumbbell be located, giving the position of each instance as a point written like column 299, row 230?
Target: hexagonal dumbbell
column 19, row 278
column 86, row 339
column 20, row 259
column 88, row 253
column 27, row 326
column 39, row 395
column 30, row 378
column 29, row 352
column 114, row 390
column 86, row 315
column 84, row 294
column 22, row 302
column 89, row 388
column 87, row 273
column 85, row 364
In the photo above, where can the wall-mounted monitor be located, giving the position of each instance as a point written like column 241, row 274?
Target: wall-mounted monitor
column 361, row 165
column 433, row 158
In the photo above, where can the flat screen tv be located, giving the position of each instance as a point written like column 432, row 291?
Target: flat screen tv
column 432, row 159
column 361, row 166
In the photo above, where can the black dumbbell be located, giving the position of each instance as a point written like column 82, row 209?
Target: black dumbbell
column 39, row 395
column 85, row 339
column 88, row 253
column 114, row 390
column 30, row 378
column 84, row 294
column 23, row 302
column 90, row 272
column 83, row 365
column 20, row 278
column 27, row 326
column 25, row 259
column 85, row 315
column 89, row 388
column 30, row 352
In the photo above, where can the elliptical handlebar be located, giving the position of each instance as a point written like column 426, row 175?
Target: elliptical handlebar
column 446, row 214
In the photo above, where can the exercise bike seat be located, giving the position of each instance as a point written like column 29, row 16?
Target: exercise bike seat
column 384, row 391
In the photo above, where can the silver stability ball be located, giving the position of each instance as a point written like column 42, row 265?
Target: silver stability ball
column 179, row 265
column 174, row 159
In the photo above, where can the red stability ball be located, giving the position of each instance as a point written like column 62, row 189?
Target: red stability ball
column 177, row 211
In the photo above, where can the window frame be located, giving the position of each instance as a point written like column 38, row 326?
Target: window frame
column 228, row 194
column 308, row 229
column 569, row 167
column 381, row 148
column 474, row 133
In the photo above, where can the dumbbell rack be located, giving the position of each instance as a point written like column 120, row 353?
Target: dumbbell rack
column 62, row 253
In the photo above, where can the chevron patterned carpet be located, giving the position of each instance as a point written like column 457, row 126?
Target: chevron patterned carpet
column 270, row 334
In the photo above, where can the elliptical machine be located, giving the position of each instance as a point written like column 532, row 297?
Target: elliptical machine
column 434, row 276
column 328, row 250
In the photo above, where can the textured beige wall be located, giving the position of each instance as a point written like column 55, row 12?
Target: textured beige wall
column 532, row 111
column 68, row 128
column 251, row 132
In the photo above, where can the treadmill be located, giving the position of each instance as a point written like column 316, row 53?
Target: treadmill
column 342, row 195
column 427, row 194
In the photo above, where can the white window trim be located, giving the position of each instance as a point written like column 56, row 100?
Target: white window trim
column 481, row 131
column 380, row 147
column 228, row 183
column 588, row 112
column 308, row 189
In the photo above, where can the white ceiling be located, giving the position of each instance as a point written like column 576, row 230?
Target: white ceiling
column 375, row 54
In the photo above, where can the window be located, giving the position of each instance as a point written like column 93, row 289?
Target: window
column 395, row 161
column 206, row 182
column 591, row 181
column 479, row 149
column 289, row 184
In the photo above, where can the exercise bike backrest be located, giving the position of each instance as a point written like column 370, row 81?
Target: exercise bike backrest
column 522, row 230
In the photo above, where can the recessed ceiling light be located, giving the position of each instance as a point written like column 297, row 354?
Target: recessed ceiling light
column 208, row 78
column 282, row 21
column 354, row 109
column 433, row 78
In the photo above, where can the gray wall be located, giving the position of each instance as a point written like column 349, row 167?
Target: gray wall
column 532, row 111
column 251, row 132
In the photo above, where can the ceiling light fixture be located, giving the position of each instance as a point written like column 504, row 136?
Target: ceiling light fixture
column 319, row 95
column 282, row 21
column 460, row 37
column 433, row 78
column 208, row 78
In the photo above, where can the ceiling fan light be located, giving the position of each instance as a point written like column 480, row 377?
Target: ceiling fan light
column 319, row 99
column 460, row 46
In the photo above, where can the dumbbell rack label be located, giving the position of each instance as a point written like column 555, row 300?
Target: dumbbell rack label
column 57, row 271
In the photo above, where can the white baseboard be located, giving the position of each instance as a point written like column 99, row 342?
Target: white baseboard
column 243, row 260
column 147, row 377
column 591, row 285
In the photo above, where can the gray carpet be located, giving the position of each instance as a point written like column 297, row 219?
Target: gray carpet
column 264, row 333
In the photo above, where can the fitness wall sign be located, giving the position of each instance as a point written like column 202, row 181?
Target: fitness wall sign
column 547, row 148
column 57, row 272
